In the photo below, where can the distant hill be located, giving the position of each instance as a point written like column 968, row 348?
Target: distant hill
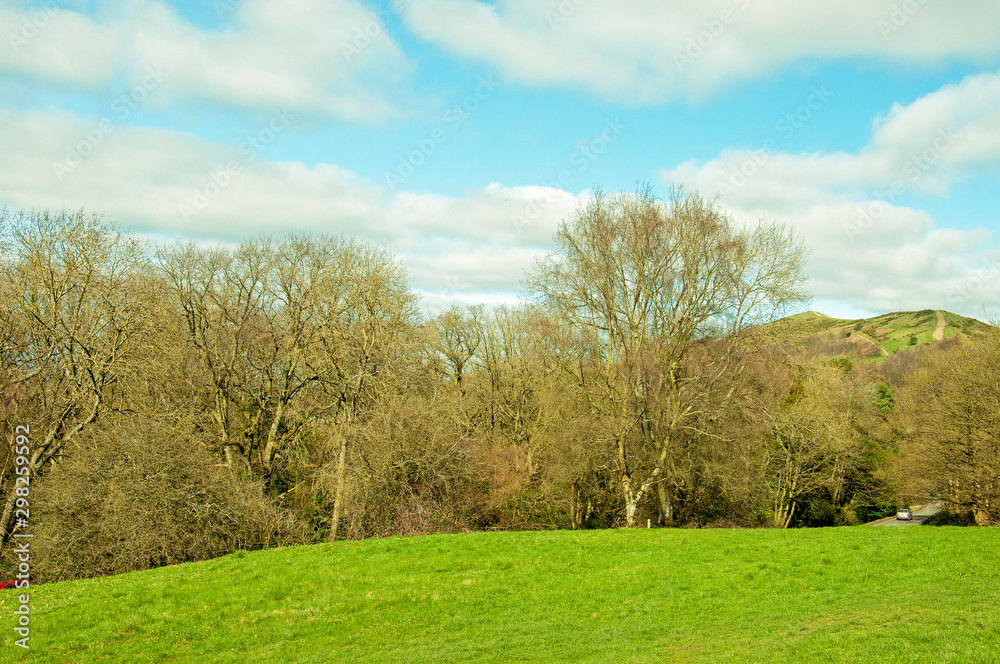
column 872, row 338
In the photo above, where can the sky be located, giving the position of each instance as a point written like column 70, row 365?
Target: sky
column 459, row 133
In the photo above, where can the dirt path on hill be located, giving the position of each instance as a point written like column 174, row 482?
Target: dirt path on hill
column 861, row 335
column 939, row 332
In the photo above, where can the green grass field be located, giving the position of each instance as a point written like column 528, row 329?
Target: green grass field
column 916, row 594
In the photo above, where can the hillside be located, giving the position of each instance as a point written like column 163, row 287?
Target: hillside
column 917, row 594
column 871, row 338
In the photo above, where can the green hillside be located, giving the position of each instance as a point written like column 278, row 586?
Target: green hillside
column 872, row 338
column 918, row 594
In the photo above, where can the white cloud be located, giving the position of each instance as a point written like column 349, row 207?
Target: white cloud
column 57, row 46
column 167, row 185
column 649, row 50
column 325, row 57
column 869, row 250
column 945, row 136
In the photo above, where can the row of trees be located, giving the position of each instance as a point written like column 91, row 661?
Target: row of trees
column 187, row 401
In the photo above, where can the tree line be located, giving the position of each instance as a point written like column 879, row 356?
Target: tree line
column 186, row 402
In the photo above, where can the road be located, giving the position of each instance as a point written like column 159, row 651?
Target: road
column 919, row 516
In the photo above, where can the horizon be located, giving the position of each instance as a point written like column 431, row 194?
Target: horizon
column 885, row 313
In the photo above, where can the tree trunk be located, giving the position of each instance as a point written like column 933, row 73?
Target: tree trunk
column 272, row 437
column 789, row 514
column 981, row 506
column 666, row 517
column 631, row 506
column 784, row 511
column 634, row 496
column 339, row 497
column 574, row 507
column 784, row 507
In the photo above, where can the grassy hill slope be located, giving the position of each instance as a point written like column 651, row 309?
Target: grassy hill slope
column 872, row 338
column 828, row 595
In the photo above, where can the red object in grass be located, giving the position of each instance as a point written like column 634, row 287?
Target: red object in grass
column 7, row 584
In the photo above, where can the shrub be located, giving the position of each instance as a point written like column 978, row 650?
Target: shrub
column 948, row 518
column 842, row 363
column 411, row 476
column 129, row 501
column 884, row 400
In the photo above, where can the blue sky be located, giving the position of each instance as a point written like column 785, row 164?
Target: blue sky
column 459, row 133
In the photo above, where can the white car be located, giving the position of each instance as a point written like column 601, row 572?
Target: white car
column 904, row 514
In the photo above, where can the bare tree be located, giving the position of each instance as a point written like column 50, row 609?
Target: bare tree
column 363, row 346
column 456, row 335
column 644, row 281
column 801, row 455
column 952, row 410
column 294, row 335
column 221, row 295
column 77, row 298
